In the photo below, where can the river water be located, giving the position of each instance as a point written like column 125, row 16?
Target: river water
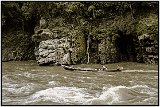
column 26, row 83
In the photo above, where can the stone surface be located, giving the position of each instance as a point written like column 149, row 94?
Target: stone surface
column 9, row 54
column 148, row 50
column 42, row 35
column 78, row 47
column 58, row 54
column 107, row 51
column 59, row 47
column 62, row 45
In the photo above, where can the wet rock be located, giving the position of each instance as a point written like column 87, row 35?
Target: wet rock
column 51, row 47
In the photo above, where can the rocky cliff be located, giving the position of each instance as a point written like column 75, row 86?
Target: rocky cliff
column 58, row 47
column 55, row 46
column 80, row 32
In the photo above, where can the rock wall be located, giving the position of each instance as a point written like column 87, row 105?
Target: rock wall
column 62, row 45
column 107, row 51
column 50, row 49
column 78, row 45
column 148, row 49
column 147, row 29
column 58, row 47
column 9, row 54
column 53, row 51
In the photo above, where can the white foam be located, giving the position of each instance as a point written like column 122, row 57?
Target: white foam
column 108, row 96
column 28, row 75
column 64, row 95
column 20, row 89
column 151, row 100
column 119, row 94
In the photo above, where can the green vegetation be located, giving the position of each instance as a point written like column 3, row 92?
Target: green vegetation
column 148, row 25
column 96, row 20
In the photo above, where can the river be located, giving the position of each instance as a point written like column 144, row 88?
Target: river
column 26, row 83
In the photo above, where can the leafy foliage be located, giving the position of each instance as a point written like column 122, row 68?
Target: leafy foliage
column 148, row 25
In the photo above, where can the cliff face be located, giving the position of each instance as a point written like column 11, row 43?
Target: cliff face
column 56, row 46
column 148, row 39
column 84, row 32
column 70, row 46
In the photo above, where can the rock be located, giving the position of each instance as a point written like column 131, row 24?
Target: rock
column 41, row 49
column 58, row 42
column 52, row 56
column 9, row 54
column 144, row 36
column 147, row 49
column 51, row 47
column 43, row 46
column 42, row 35
column 43, row 61
column 43, row 23
column 53, row 51
column 78, row 53
column 44, row 53
column 107, row 51
column 66, row 59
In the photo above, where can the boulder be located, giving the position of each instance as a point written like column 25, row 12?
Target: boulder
column 53, row 51
column 66, row 59
column 44, row 53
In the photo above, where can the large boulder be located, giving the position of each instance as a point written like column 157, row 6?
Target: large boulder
column 53, row 51
column 59, row 46
column 52, row 47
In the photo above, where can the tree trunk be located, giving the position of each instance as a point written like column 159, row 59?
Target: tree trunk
column 88, row 40
column 88, row 57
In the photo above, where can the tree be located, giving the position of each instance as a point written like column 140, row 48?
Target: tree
column 90, row 9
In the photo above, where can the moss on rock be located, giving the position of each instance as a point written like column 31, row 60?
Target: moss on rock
column 78, row 44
